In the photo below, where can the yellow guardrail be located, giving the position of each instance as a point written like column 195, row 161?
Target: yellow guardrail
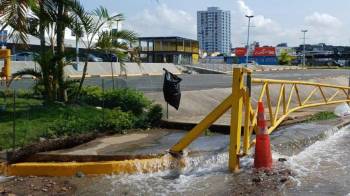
column 243, row 113
column 5, row 73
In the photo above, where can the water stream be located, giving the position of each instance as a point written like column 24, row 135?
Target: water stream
column 320, row 169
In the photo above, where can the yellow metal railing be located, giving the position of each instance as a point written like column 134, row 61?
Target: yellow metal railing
column 289, row 99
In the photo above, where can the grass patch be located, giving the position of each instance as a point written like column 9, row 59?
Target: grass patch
column 35, row 120
column 322, row 116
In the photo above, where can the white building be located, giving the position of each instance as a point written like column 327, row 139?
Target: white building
column 214, row 30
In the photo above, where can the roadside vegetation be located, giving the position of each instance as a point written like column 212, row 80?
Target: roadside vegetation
column 123, row 109
column 57, row 107
column 285, row 58
column 322, row 116
column 48, row 21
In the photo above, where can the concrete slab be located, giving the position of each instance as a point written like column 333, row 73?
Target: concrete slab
column 150, row 143
column 119, row 144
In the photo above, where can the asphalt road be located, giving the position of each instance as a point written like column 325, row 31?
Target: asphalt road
column 197, row 82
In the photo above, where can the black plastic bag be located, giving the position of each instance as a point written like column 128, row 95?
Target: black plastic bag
column 171, row 89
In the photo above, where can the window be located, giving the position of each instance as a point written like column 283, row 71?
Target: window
column 143, row 45
column 150, row 46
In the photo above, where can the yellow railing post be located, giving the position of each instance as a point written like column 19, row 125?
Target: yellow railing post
column 7, row 63
column 246, row 136
column 247, row 114
column 236, row 119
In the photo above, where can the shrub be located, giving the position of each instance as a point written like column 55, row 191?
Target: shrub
column 92, row 95
column 74, row 123
column 154, row 115
column 125, row 99
column 71, row 125
column 117, row 121
column 20, row 93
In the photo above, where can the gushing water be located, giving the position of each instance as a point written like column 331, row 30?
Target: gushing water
column 323, row 168
column 320, row 169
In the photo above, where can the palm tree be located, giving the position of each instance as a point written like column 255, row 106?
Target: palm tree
column 15, row 12
column 34, row 17
column 116, row 43
column 92, row 24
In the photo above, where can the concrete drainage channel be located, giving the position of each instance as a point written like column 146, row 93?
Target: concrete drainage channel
column 289, row 140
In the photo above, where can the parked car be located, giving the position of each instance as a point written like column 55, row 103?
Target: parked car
column 94, row 58
column 107, row 57
column 25, row 56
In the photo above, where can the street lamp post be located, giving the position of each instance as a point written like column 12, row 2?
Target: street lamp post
column 248, row 47
column 304, row 52
column 249, row 79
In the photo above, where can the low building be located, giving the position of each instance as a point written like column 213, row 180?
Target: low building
column 260, row 55
column 175, row 50
column 322, row 54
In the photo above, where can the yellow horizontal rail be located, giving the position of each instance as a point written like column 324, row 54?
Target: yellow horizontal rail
column 272, row 81
column 203, row 125
column 240, row 104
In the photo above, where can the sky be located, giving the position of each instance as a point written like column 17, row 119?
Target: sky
column 275, row 21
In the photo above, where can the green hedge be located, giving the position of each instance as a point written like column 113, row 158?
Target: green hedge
column 125, row 99
column 114, row 121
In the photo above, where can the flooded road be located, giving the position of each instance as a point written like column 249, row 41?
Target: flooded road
column 320, row 169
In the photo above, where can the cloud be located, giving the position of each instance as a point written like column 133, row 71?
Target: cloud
column 244, row 8
column 163, row 21
column 322, row 21
column 264, row 30
column 325, row 28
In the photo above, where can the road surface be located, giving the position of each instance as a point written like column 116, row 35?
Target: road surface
column 200, row 81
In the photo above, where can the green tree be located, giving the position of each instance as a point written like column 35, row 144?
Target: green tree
column 92, row 24
column 116, row 43
column 285, row 58
column 53, row 17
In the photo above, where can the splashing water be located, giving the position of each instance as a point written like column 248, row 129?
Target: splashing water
column 323, row 168
column 320, row 169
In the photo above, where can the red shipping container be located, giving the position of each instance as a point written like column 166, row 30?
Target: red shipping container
column 265, row 51
column 240, row 52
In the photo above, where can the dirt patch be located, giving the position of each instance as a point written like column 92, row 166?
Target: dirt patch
column 49, row 145
column 37, row 186
column 261, row 182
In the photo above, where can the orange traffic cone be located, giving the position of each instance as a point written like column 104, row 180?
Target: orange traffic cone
column 263, row 156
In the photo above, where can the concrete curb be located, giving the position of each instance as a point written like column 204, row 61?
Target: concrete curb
column 91, row 168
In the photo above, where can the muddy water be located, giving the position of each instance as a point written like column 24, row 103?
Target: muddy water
column 320, row 169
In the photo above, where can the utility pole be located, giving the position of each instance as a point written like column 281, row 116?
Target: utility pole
column 304, row 52
column 248, row 47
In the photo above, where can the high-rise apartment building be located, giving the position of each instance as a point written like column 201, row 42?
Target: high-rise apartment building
column 214, row 30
